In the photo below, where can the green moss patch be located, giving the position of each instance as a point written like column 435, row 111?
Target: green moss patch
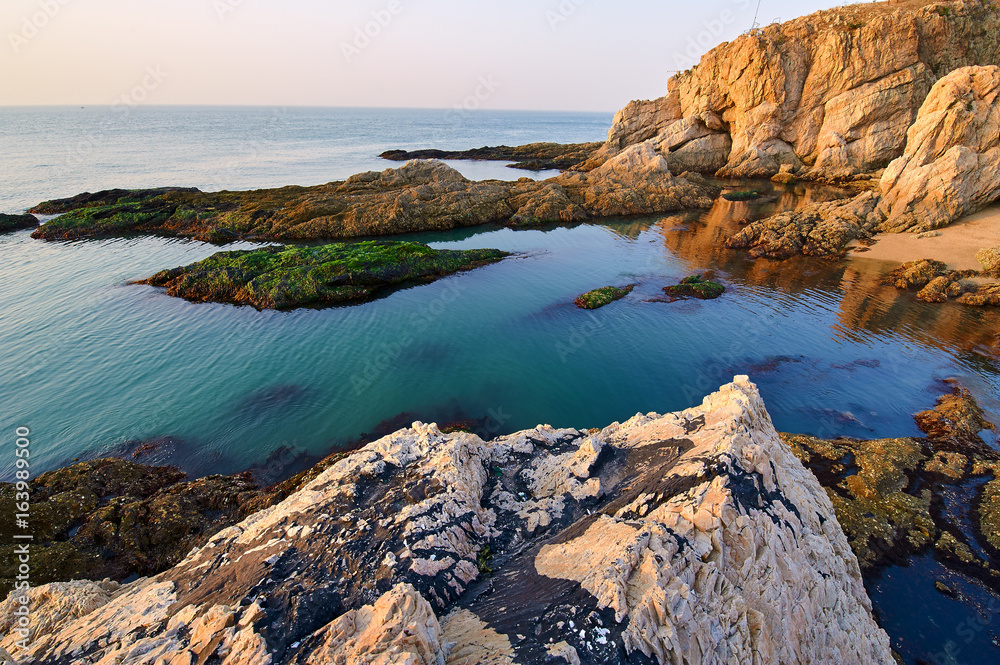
column 742, row 195
column 110, row 220
column 604, row 296
column 289, row 277
column 695, row 287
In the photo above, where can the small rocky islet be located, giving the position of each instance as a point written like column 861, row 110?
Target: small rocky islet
column 695, row 286
column 603, row 296
column 290, row 277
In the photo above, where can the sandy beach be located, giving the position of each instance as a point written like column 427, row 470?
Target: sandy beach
column 955, row 245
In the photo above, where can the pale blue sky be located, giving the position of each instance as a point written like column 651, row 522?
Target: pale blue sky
column 588, row 55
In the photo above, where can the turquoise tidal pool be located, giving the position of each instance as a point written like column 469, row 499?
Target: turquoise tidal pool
column 93, row 365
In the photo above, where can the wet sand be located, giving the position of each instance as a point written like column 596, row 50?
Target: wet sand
column 955, row 245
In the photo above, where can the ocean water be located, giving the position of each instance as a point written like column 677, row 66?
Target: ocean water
column 92, row 365
column 49, row 152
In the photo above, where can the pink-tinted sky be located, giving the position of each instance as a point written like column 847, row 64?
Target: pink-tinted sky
column 516, row 54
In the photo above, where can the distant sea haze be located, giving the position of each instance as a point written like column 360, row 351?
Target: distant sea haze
column 54, row 152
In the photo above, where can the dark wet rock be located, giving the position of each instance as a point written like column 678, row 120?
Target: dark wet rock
column 603, row 296
column 289, row 277
column 17, row 222
column 695, row 286
column 116, row 518
column 895, row 497
column 531, row 157
column 108, row 197
column 638, row 543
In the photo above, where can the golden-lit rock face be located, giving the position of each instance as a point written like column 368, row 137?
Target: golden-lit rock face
column 831, row 94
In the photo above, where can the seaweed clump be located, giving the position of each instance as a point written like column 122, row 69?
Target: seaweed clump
column 289, row 277
column 604, row 296
column 744, row 195
column 695, row 286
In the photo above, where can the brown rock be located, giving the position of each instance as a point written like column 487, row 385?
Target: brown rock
column 956, row 418
column 951, row 166
column 990, row 260
column 916, row 274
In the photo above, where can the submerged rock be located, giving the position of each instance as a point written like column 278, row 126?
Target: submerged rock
column 604, row 296
column 17, row 222
column 673, row 538
column 290, row 277
column 745, row 195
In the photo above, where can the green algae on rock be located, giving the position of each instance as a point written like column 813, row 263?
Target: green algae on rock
column 866, row 481
column 891, row 496
column 290, row 277
column 603, row 296
column 10, row 223
column 695, row 286
column 750, row 195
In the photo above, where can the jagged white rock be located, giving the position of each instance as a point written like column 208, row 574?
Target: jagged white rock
column 705, row 542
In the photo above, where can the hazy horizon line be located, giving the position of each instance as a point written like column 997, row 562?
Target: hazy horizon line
column 302, row 106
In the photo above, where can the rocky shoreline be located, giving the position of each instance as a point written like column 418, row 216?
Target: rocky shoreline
column 418, row 196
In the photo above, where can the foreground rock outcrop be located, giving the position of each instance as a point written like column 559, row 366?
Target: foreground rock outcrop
column 830, row 95
column 950, row 168
column 690, row 537
column 418, row 196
